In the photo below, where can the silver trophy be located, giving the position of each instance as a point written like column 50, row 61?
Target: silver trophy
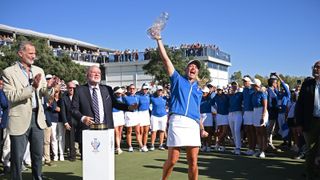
column 158, row 25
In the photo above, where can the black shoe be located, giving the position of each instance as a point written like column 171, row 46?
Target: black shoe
column 49, row 164
column 72, row 159
column 6, row 170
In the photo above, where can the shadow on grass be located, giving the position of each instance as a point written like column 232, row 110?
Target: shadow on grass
column 47, row 176
column 228, row 166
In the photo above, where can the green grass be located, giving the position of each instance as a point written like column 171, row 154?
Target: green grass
column 213, row 165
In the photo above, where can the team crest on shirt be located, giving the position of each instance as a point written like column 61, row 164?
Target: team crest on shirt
column 95, row 143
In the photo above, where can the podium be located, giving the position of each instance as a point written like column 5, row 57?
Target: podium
column 98, row 154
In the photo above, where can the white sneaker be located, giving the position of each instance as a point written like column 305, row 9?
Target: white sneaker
column 151, row 148
column 119, row 151
column 145, row 149
column 262, row 155
column 257, row 154
column 161, row 147
column 130, row 149
column 208, row 149
column 55, row 158
column 61, row 158
column 250, row 152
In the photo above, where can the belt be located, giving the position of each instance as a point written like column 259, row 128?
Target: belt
column 35, row 109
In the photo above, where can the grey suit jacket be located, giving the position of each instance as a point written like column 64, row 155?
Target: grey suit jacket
column 19, row 94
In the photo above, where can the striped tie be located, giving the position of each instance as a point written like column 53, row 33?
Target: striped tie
column 95, row 105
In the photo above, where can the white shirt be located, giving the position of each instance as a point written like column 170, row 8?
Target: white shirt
column 101, row 111
column 316, row 109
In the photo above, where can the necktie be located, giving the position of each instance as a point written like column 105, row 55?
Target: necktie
column 95, row 105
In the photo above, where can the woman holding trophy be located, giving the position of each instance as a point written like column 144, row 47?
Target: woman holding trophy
column 185, row 127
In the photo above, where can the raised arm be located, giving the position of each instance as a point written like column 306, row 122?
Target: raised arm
column 164, row 56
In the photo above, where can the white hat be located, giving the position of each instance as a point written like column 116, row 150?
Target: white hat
column 247, row 79
column 219, row 87
column 48, row 76
column 118, row 90
column 145, row 87
column 159, row 88
column 205, row 89
column 257, row 82
column 75, row 82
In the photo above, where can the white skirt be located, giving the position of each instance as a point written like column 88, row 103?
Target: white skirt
column 248, row 118
column 222, row 120
column 159, row 123
column 131, row 118
column 144, row 117
column 118, row 118
column 183, row 131
column 257, row 115
column 207, row 119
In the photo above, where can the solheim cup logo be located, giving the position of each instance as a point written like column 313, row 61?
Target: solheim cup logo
column 95, row 144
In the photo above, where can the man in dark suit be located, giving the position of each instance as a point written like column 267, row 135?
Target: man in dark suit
column 68, row 121
column 92, row 103
column 307, row 114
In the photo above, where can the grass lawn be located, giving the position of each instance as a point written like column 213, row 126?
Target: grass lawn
column 213, row 165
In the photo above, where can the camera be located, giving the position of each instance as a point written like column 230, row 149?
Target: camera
column 298, row 82
column 273, row 74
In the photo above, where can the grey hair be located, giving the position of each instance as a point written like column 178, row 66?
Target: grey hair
column 23, row 44
column 90, row 68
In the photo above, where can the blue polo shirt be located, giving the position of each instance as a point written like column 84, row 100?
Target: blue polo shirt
column 120, row 100
column 205, row 106
column 235, row 102
column 158, row 106
column 131, row 99
column 222, row 103
column 144, row 102
column 257, row 99
column 284, row 103
column 247, row 99
column 185, row 97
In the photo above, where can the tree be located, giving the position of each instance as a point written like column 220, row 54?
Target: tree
column 236, row 77
column 156, row 69
column 264, row 80
column 62, row 67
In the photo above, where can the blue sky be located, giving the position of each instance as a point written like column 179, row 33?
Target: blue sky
column 262, row 36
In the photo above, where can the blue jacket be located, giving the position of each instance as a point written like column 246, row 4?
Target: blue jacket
column 185, row 97
column 222, row 104
column 4, row 110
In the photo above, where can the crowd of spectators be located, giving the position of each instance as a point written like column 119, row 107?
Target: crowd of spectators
column 127, row 55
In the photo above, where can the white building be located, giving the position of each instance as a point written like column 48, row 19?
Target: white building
column 123, row 72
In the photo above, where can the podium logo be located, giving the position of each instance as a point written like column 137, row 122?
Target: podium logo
column 95, row 144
